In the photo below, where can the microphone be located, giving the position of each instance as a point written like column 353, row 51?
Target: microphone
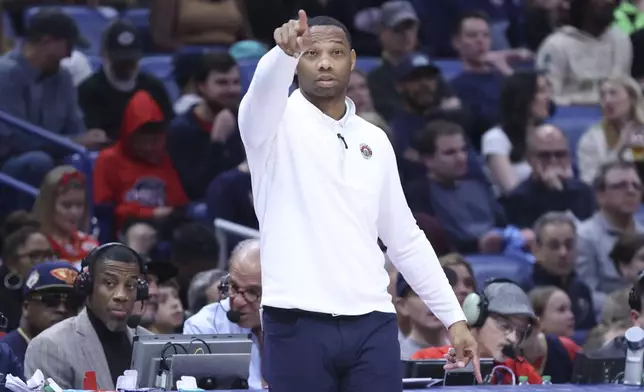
column 134, row 321
column 233, row 316
column 509, row 351
column 343, row 141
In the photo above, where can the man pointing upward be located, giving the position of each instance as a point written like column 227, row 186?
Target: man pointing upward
column 325, row 188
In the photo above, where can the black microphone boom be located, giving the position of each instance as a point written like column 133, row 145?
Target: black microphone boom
column 509, row 351
column 133, row 321
column 233, row 316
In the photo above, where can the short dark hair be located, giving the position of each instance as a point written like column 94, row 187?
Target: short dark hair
column 120, row 254
column 470, row 15
column 425, row 143
column 625, row 249
column 16, row 221
column 329, row 21
column 550, row 218
column 599, row 182
column 214, row 62
column 15, row 240
column 194, row 242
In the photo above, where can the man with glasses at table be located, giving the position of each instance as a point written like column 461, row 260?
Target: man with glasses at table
column 618, row 189
column 49, row 298
column 238, row 312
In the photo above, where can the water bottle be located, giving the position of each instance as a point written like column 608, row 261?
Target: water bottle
column 523, row 380
column 546, row 380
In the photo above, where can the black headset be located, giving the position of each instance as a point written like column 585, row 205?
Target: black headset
column 83, row 284
column 635, row 295
column 224, row 286
column 476, row 305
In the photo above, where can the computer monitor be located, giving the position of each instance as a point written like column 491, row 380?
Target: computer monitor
column 594, row 368
column 148, row 350
column 433, row 368
column 211, row 371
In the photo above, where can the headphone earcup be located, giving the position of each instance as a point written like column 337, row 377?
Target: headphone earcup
column 634, row 301
column 83, row 284
column 472, row 309
column 142, row 290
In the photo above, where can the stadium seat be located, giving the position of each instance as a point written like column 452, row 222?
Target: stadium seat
column 247, row 70
column 367, row 64
column 486, row 267
column 95, row 62
column 7, row 26
column 91, row 23
column 161, row 67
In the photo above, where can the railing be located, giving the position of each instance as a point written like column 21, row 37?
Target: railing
column 222, row 229
column 55, row 139
column 18, row 185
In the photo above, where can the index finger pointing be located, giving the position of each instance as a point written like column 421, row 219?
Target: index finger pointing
column 303, row 21
column 476, row 363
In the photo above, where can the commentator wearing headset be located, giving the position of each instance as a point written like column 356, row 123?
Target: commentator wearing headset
column 98, row 339
column 238, row 312
column 501, row 317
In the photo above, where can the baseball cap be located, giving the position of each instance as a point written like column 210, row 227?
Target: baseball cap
column 508, row 299
column 56, row 24
column 396, row 12
column 402, row 287
column 163, row 270
column 50, row 275
column 248, row 49
column 121, row 41
column 416, row 62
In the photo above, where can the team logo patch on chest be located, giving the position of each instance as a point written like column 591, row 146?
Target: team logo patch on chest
column 366, row 151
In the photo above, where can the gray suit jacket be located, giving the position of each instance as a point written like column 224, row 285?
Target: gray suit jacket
column 67, row 350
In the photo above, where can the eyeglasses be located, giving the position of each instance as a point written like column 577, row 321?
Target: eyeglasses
column 249, row 295
column 39, row 255
column 507, row 326
column 623, row 185
column 71, row 302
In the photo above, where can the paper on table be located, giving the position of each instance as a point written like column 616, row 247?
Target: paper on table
column 15, row 384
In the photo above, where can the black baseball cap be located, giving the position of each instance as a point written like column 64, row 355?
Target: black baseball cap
column 121, row 41
column 415, row 64
column 57, row 24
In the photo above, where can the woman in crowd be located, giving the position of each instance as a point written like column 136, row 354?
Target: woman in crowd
column 169, row 316
column 62, row 210
column 622, row 105
column 552, row 306
column 464, row 284
column 21, row 250
column 628, row 256
column 525, row 103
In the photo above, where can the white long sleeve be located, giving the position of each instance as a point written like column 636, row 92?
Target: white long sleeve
column 410, row 251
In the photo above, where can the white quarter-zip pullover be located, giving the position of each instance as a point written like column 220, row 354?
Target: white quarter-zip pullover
column 324, row 192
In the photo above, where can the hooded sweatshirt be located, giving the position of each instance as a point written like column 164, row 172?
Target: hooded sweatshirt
column 577, row 62
column 136, row 187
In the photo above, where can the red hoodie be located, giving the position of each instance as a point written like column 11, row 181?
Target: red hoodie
column 136, row 187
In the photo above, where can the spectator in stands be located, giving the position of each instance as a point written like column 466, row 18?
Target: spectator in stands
column 607, row 340
column 398, row 33
column 239, row 311
column 17, row 220
column 184, row 69
column 21, row 250
column 9, row 364
column 435, row 234
column 555, row 253
column 619, row 191
column 524, row 104
column 36, row 90
column 479, row 84
column 105, row 96
column 140, row 235
column 136, row 174
column 174, row 23
column 426, row 330
column 194, row 249
column 508, row 321
column 628, row 256
column 62, row 210
column 464, row 284
column 49, row 298
column 78, row 66
column 465, row 207
column 359, row 92
column 229, row 196
column 204, row 289
column 622, row 105
column 579, row 56
column 551, row 186
column 549, row 353
column 616, row 307
column 98, row 338
column 169, row 316
column 159, row 273
column 554, row 309
column 205, row 141
column 629, row 16
column 541, row 18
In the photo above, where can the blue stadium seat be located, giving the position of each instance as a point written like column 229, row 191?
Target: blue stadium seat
column 140, row 18
column 500, row 266
column 367, row 64
column 247, row 70
column 7, row 26
column 449, row 68
column 95, row 62
column 91, row 22
column 574, row 121
column 161, row 67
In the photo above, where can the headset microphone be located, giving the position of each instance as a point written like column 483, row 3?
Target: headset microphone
column 134, row 321
column 233, row 316
column 509, row 351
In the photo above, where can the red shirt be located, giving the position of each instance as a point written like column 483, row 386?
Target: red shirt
column 76, row 249
column 518, row 367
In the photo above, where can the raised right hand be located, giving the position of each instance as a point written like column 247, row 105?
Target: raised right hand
column 294, row 36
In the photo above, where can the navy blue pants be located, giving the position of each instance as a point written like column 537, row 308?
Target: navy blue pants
column 315, row 352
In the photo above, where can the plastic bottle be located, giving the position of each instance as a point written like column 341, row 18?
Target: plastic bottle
column 523, row 380
column 546, row 380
